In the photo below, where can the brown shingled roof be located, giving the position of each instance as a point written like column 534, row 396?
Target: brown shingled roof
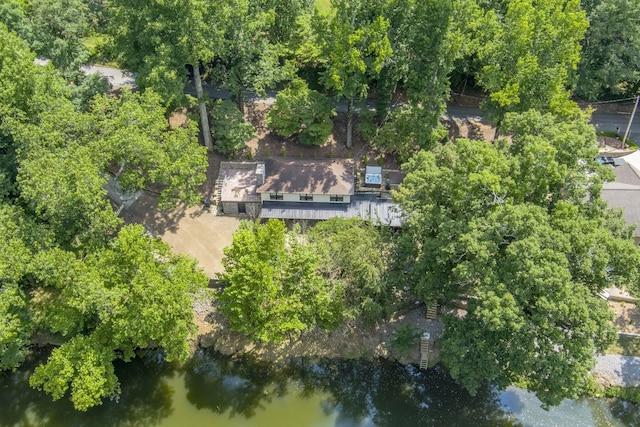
column 308, row 176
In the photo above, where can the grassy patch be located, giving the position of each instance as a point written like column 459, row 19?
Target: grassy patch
column 323, row 6
column 607, row 133
column 93, row 43
column 626, row 346
column 611, row 134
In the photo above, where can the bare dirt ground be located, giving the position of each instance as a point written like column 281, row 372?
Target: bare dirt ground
column 268, row 143
column 190, row 231
column 627, row 317
column 193, row 231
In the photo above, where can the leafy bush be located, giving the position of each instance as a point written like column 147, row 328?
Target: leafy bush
column 405, row 339
column 300, row 110
column 229, row 129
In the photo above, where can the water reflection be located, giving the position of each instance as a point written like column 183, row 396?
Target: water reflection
column 145, row 398
column 215, row 390
column 223, row 384
column 360, row 393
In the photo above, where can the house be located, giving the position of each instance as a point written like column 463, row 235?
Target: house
column 624, row 192
column 308, row 180
column 304, row 189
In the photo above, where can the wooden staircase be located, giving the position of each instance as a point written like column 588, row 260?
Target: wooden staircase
column 432, row 312
column 424, row 350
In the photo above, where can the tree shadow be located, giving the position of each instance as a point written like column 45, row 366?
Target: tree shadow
column 256, row 114
column 384, row 393
column 626, row 412
column 630, row 371
column 453, row 128
column 474, row 131
column 145, row 211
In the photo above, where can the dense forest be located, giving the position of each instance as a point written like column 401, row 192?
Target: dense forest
column 517, row 226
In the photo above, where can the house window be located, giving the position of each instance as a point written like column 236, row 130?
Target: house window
column 275, row 196
column 306, row 197
column 336, row 199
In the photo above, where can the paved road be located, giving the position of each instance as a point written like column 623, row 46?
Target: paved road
column 604, row 122
column 115, row 76
column 618, row 122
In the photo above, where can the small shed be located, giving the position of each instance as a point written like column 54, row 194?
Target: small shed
column 238, row 194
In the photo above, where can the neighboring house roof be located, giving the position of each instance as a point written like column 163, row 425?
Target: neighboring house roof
column 308, row 176
column 367, row 207
column 633, row 160
column 624, row 192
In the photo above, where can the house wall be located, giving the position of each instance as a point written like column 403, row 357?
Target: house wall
column 295, row 197
column 230, row 208
column 233, row 208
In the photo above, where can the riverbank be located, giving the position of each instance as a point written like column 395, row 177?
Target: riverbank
column 354, row 340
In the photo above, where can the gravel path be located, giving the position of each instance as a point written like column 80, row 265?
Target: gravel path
column 619, row 370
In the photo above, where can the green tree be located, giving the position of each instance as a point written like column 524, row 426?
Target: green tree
column 124, row 140
column 54, row 29
column 356, row 256
column 21, row 237
column 67, row 267
column 610, row 61
column 425, row 40
column 299, row 110
column 26, row 90
column 555, row 157
column 529, row 55
column 229, row 128
column 529, row 264
column 158, row 39
column 357, row 47
column 251, row 56
column 135, row 135
column 132, row 294
column 273, row 289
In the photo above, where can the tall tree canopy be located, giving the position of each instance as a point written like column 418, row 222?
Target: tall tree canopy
column 425, row 40
column 272, row 289
column 355, row 256
column 54, row 29
column 68, row 269
column 529, row 54
column 519, row 231
column 610, row 61
column 279, row 283
column 253, row 52
column 159, row 39
column 356, row 43
column 302, row 111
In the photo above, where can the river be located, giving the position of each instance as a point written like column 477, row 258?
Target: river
column 213, row 390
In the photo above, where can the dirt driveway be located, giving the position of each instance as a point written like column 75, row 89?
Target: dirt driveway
column 191, row 231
